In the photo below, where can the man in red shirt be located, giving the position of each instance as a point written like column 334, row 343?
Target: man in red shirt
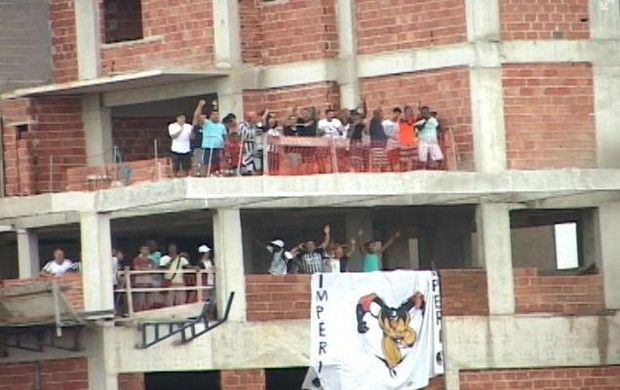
column 142, row 262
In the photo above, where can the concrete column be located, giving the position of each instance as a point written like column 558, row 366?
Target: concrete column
column 102, row 371
column 96, row 246
column 347, row 57
column 230, row 96
column 230, row 272
column 485, row 80
column 605, row 25
column 607, row 112
column 493, row 225
column 226, row 31
column 604, row 19
column 483, row 21
column 97, row 120
column 28, row 253
column 487, row 108
column 87, row 28
column 608, row 228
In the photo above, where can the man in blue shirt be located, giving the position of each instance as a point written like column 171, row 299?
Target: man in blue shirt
column 213, row 136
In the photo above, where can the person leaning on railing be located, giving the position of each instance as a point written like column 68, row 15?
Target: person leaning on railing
column 174, row 262
column 59, row 265
column 142, row 262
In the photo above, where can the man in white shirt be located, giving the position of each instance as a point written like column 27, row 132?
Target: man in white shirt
column 58, row 265
column 330, row 126
column 181, row 150
column 391, row 130
column 174, row 263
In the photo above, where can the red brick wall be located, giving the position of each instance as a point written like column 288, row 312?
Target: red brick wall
column 586, row 378
column 277, row 297
column 290, row 31
column 242, row 379
column 142, row 171
column 444, row 90
column 72, row 281
column 282, row 100
column 131, row 381
column 539, row 19
column 437, row 383
column 66, row 374
column 186, row 29
column 64, row 46
column 54, row 142
column 464, row 292
column 549, row 116
column 135, row 136
column 535, row 293
column 122, row 20
column 406, row 24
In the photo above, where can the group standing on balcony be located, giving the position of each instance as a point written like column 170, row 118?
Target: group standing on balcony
column 408, row 139
column 329, row 256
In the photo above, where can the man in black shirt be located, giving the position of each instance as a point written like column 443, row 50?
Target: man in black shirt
column 378, row 139
column 306, row 124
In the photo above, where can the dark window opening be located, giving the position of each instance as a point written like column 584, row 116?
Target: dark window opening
column 122, row 20
column 285, row 378
column 199, row 380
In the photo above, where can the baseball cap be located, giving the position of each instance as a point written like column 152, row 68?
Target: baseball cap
column 278, row 242
column 204, row 249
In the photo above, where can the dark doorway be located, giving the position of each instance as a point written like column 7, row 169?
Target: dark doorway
column 285, row 378
column 193, row 380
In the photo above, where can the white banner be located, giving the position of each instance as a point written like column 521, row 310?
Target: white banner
column 375, row 331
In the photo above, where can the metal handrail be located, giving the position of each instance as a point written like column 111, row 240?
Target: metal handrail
column 128, row 288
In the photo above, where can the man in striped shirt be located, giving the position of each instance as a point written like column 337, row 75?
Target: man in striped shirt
column 310, row 256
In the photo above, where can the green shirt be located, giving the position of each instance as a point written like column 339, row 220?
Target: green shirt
column 371, row 262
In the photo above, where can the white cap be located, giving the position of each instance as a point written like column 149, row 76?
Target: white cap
column 278, row 242
column 288, row 255
column 204, row 249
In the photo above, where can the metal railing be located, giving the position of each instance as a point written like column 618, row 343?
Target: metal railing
column 128, row 287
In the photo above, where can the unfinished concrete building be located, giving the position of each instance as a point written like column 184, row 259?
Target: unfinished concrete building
column 528, row 90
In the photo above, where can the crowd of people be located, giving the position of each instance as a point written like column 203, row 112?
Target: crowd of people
column 210, row 146
column 162, row 279
column 328, row 256
column 167, row 274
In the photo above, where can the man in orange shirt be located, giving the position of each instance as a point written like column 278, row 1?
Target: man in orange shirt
column 408, row 139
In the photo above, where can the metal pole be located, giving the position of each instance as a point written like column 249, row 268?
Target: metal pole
column 129, row 295
column 266, row 155
column 115, row 160
column 156, row 148
column 199, row 292
column 51, row 183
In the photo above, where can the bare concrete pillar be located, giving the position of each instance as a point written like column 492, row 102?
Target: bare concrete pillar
column 28, row 253
column 100, row 346
column 494, row 245
column 608, row 217
column 230, row 272
column 97, row 121
column 97, row 275
column 347, row 56
column 88, row 41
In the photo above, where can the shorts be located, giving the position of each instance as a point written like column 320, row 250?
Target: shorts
column 425, row 149
column 211, row 157
column 181, row 161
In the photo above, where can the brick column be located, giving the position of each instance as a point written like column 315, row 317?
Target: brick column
column 243, row 379
column 131, row 381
